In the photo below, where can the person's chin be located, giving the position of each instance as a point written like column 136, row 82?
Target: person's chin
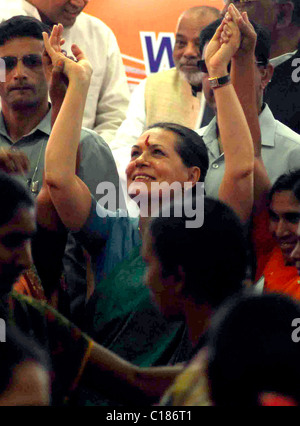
column 194, row 78
column 68, row 19
column 286, row 253
column 288, row 260
column 20, row 104
column 140, row 189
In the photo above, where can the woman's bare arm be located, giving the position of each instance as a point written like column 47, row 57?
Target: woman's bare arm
column 243, row 79
column 236, row 188
column 69, row 194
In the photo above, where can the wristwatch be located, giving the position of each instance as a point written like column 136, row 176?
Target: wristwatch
column 219, row 81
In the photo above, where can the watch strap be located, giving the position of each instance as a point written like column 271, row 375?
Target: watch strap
column 219, row 81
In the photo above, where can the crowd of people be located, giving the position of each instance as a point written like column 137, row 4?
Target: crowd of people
column 194, row 300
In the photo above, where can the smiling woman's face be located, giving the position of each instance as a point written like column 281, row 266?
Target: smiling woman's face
column 284, row 220
column 155, row 159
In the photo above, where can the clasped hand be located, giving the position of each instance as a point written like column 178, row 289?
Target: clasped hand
column 224, row 44
column 79, row 70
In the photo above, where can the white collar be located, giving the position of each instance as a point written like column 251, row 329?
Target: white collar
column 282, row 58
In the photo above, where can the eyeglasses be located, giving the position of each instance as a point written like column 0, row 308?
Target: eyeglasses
column 29, row 61
column 203, row 68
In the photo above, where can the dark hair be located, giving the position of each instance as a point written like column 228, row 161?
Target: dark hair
column 213, row 257
column 263, row 43
column 286, row 182
column 14, row 195
column 190, row 146
column 22, row 26
column 251, row 350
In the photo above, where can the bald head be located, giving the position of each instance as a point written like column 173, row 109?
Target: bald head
column 186, row 51
column 201, row 13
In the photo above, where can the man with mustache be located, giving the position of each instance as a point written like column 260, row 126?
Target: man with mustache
column 109, row 93
column 167, row 95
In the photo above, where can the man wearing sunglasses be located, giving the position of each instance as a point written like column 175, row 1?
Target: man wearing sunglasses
column 280, row 145
column 108, row 96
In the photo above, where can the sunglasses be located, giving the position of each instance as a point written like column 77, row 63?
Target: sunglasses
column 203, row 68
column 29, row 61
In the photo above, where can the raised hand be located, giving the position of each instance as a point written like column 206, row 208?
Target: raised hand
column 58, row 82
column 80, row 69
column 248, row 34
column 56, row 41
column 13, row 161
column 222, row 47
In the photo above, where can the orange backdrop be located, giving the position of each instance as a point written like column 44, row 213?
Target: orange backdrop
column 128, row 18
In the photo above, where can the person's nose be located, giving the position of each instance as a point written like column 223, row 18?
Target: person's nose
column 142, row 159
column 281, row 229
column 19, row 71
column 24, row 257
column 191, row 50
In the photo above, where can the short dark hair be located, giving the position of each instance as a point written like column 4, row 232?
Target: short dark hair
column 213, row 257
column 14, row 195
column 190, row 146
column 251, row 350
column 286, row 182
column 22, row 26
column 263, row 43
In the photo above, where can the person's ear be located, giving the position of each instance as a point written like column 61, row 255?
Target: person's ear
column 194, row 175
column 267, row 74
column 284, row 14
